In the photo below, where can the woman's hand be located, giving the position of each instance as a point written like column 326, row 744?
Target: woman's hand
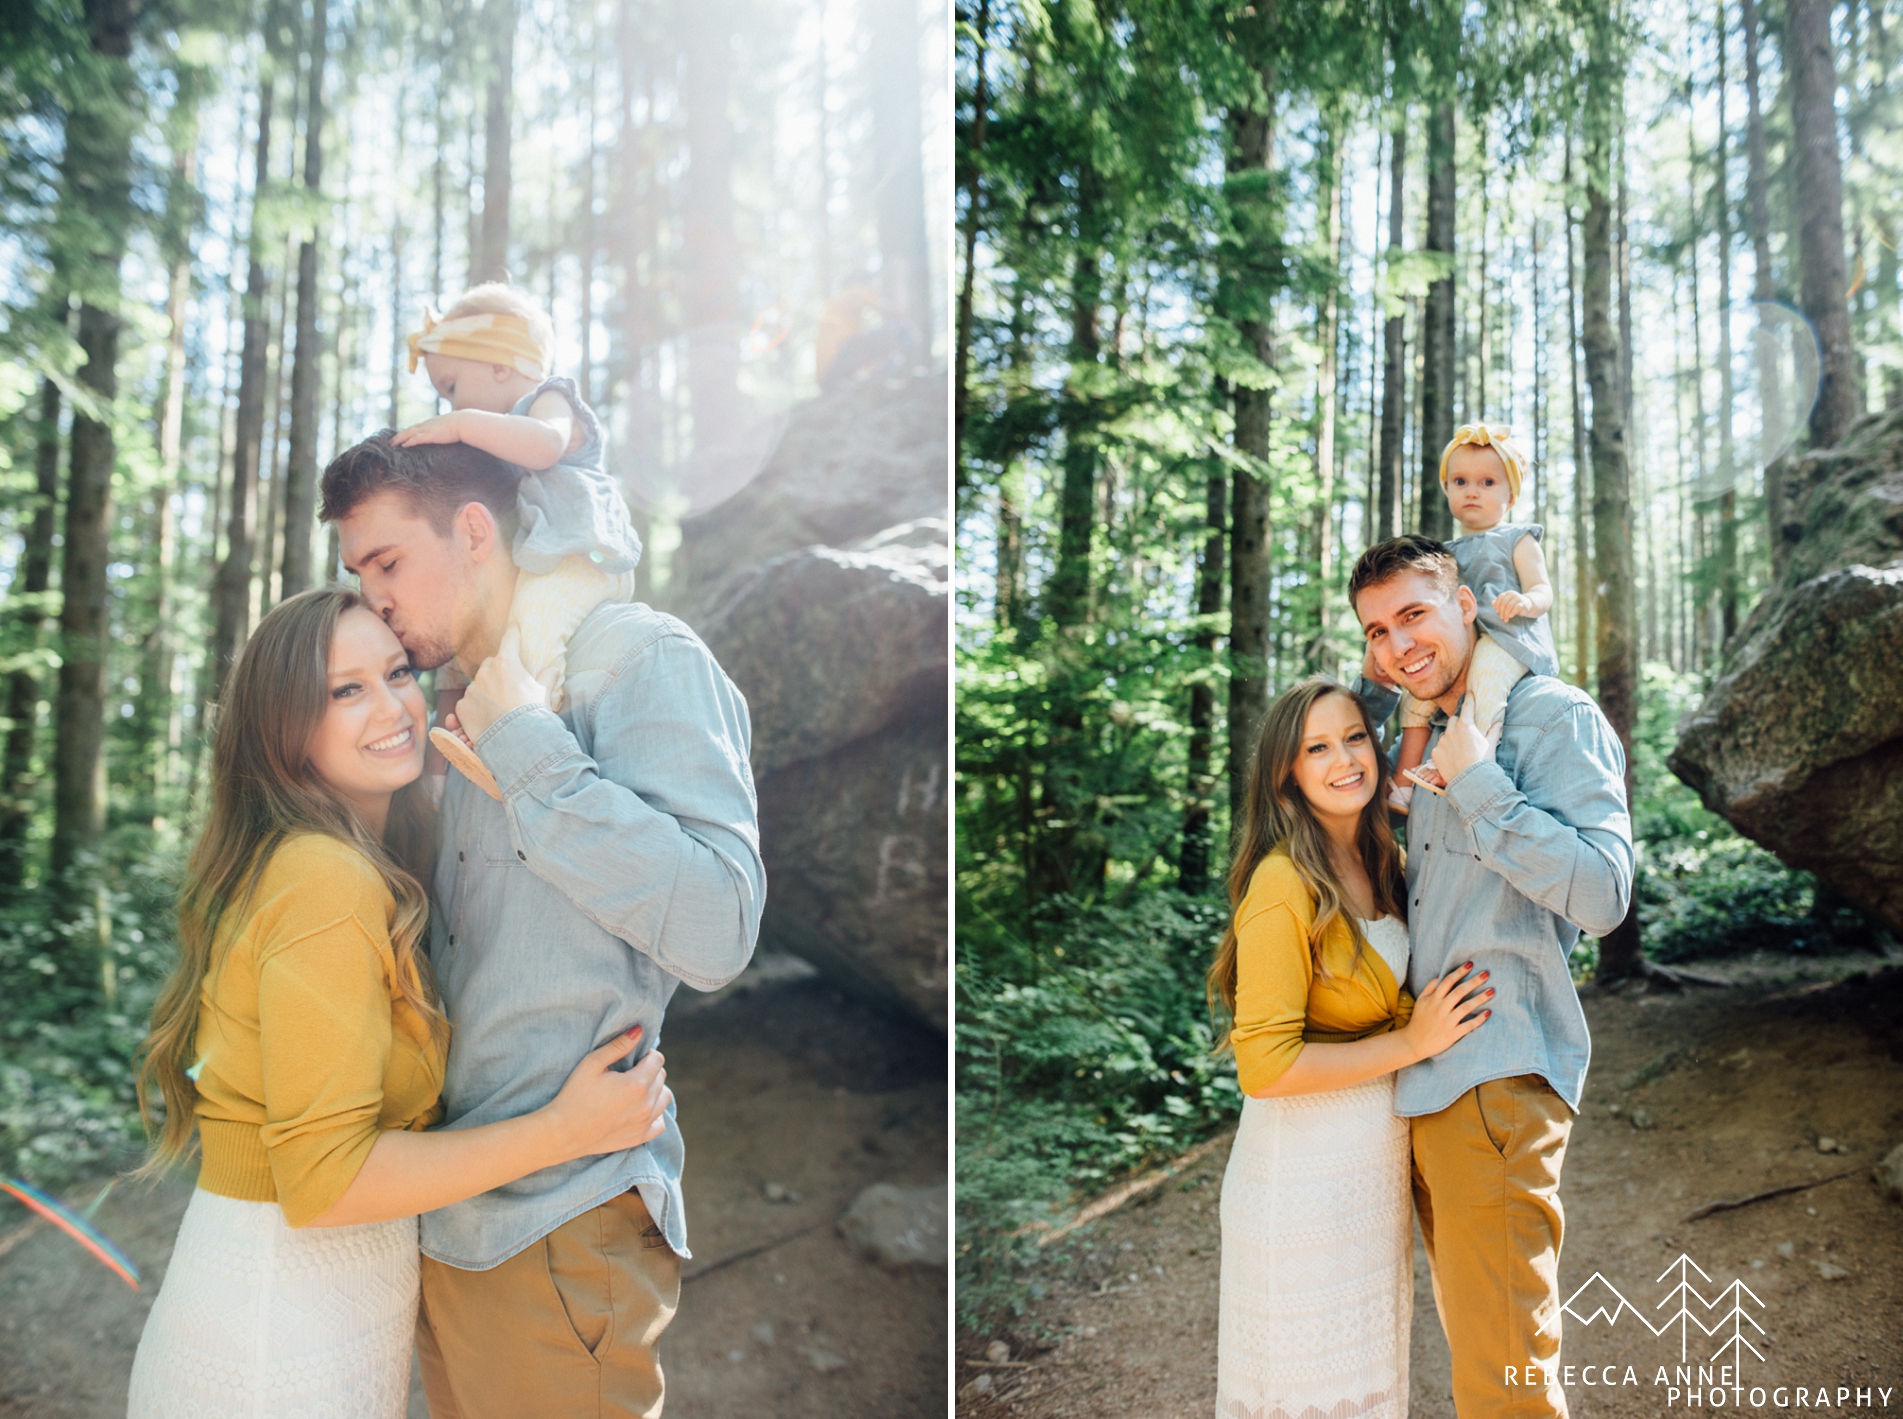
column 606, row 1110
column 1439, row 1008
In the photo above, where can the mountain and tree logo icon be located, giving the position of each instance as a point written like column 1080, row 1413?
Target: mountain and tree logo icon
column 1725, row 1315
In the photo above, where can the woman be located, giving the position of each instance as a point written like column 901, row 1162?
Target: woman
column 1317, row 1239
column 301, row 1036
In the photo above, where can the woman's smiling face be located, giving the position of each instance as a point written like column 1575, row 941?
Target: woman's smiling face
column 370, row 740
column 1335, row 768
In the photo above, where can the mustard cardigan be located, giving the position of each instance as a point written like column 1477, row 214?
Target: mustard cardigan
column 306, row 1049
column 1281, row 1002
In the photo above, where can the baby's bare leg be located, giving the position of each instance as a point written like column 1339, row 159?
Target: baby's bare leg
column 548, row 609
column 1491, row 674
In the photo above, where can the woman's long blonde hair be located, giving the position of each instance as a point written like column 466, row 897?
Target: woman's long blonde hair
column 263, row 790
column 1276, row 815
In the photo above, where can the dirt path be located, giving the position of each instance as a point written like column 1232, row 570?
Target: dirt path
column 1733, row 1090
column 783, row 1081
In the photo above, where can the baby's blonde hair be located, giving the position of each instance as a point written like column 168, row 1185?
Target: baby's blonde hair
column 497, row 298
column 1499, row 437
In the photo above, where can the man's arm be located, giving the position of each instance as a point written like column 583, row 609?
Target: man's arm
column 1563, row 835
column 656, row 838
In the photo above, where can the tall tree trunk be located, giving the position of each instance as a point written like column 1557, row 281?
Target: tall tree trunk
column 1193, row 874
column 1388, row 515
column 98, row 180
column 1611, row 480
column 898, row 161
column 1728, row 590
column 231, row 590
column 972, row 153
column 1251, row 156
column 499, row 22
column 1582, row 477
column 1068, row 599
column 300, row 474
column 154, row 711
column 1757, row 185
column 1437, row 328
column 23, row 685
column 1811, row 71
column 1328, row 339
column 710, row 298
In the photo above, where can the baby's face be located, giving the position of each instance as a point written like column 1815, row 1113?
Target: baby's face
column 476, row 384
column 1477, row 487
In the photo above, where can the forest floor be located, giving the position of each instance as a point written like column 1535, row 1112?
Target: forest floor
column 1732, row 1089
column 780, row 1080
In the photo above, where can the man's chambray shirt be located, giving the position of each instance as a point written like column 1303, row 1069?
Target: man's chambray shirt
column 623, row 859
column 1524, row 852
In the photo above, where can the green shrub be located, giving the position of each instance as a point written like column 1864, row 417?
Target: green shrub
column 67, row 1101
column 1080, row 1055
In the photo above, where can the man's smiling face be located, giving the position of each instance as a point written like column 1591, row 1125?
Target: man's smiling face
column 1421, row 633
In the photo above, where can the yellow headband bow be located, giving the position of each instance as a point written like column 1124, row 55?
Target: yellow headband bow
column 1498, row 437
column 488, row 336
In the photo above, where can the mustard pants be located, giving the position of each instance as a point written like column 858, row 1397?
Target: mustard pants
column 1486, row 1189
column 566, row 1327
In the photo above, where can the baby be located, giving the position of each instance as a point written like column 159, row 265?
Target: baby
column 1501, row 564
column 575, row 548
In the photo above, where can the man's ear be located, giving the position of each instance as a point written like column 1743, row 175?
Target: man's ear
column 1469, row 608
column 476, row 528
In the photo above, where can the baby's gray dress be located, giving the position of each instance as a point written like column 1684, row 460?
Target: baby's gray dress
column 573, row 509
column 1486, row 569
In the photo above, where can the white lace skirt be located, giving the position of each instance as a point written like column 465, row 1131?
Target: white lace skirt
column 1317, row 1259
column 258, row 1320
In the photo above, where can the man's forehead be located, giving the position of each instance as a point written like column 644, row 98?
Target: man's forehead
column 385, row 516
column 1398, row 593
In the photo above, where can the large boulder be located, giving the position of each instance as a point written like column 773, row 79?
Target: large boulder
column 847, row 466
column 824, row 591
column 1799, row 743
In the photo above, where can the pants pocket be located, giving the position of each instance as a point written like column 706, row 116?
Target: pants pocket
column 1498, row 1107
column 578, row 1270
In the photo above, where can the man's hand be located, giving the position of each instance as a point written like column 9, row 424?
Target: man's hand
column 443, row 428
column 502, row 684
column 1462, row 745
column 1371, row 670
column 1509, row 604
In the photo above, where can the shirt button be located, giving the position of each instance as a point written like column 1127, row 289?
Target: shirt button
column 521, row 854
column 460, row 858
column 452, row 940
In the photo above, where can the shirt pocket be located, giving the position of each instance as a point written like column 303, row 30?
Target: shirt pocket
column 494, row 842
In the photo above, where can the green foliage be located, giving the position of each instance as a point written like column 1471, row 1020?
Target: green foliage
column 1079, row 1057
column 67, row 1103
column 1702, row 889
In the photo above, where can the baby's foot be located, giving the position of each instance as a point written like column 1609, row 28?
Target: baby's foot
column 1401, row 798
column 456, row 749
column 1427, row 776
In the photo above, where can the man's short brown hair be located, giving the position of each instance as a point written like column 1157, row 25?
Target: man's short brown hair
column 436, row 479
column 1411, row 553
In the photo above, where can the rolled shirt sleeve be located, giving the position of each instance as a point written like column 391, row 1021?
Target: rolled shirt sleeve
column 325, row 1032
column 1573, row 856
column 656, row 837
column 1272, row 981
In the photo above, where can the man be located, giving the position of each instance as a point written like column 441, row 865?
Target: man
column 1530, row 844
column 622, row 859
